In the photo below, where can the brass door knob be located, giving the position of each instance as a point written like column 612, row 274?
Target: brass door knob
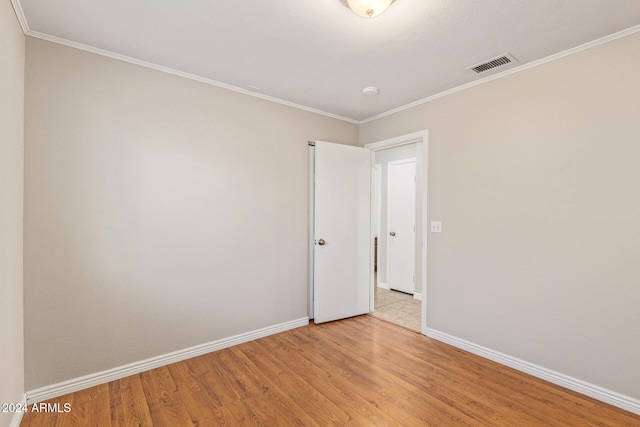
column 321, row 242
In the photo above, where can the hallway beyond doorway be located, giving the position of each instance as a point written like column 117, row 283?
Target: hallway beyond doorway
column 398, row 308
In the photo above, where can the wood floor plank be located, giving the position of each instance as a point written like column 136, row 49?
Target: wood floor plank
column 200, row 405
column 355, row 372
column 301, row 388
column 102, row 406
column 434, row 410
column 270, row 390
column 337, row 387
column 164, row 392
column 115, row 404
column 295, row 388
column 134, row 405
column 96, row 405
column 350, row 392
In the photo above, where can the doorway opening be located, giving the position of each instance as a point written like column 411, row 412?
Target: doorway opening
column 398, row 231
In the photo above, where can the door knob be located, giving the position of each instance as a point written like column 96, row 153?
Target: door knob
column 393, row 233
column 321, row 242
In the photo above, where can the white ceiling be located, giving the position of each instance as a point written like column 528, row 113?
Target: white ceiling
column 320, row 55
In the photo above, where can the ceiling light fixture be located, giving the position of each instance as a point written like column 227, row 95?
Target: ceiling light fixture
column 369, row 8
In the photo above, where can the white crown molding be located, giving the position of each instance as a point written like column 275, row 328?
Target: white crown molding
column 25, row 27
column 17, row 416
column 70, row 386
column 559, row 55
column 616, row 399
column 179, row 73
column 17, row 8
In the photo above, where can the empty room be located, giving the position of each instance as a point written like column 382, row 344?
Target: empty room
column 337, row 212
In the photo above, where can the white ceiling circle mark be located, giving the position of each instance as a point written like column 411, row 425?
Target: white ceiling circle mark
column 370, row 91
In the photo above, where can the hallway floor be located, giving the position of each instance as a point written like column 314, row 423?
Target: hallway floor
column 398, row 307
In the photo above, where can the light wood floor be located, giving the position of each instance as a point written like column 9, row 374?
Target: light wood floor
column 358, row 372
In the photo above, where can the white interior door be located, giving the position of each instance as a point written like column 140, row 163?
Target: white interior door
column 401, row 219
column 341, row 226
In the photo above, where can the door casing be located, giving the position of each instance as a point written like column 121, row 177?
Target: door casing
column 421, row 138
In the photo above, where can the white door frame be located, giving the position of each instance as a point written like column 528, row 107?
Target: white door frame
column 421, row 138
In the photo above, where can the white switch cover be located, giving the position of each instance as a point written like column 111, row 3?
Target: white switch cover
column 436, row 226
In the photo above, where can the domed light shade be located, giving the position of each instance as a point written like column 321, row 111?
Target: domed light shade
column 369, row 8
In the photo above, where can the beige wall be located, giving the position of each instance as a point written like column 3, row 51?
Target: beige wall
column 12, row 53
column 535, row 178
column 160, row 212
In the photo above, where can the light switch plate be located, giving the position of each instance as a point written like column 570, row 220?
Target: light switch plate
column 436, row 226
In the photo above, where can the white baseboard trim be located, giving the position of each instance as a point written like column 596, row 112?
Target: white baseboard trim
column 616, row 399
column 17, row 416
column 70, row 386
column 383, row 285
column 417, row 295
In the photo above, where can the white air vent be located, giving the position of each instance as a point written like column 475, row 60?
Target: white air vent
column 490, row 64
